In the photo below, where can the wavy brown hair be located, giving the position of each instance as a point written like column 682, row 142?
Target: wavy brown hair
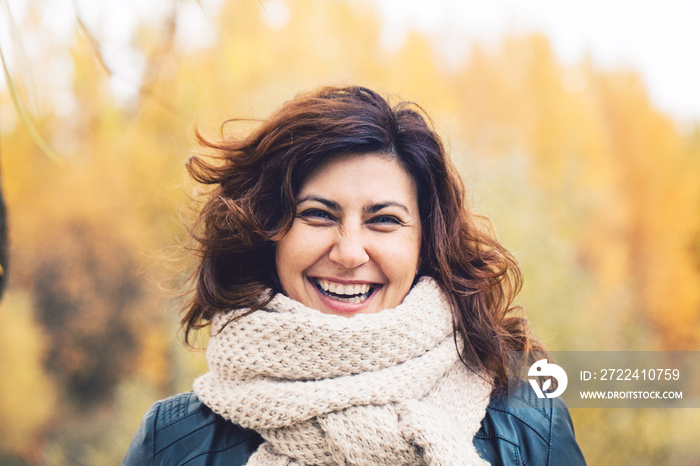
column 252, row 202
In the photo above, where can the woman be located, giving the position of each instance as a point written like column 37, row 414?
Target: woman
column 359, row 313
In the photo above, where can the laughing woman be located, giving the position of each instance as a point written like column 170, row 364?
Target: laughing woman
column 359, row 313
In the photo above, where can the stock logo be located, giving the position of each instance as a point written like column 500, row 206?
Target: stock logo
column 543, row 369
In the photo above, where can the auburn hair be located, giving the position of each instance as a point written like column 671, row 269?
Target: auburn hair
column 252, row 204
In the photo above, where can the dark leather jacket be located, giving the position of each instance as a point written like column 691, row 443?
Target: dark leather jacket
column 181, row 430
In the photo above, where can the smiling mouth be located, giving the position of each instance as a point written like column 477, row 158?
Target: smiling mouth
column 354, row 293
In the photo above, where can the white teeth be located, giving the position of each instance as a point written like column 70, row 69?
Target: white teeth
column 347, row 290
column 354, row 299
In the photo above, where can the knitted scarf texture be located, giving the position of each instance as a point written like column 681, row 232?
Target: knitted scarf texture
column 374, row 389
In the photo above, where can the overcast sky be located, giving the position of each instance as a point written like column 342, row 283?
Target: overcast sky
column 660, row 40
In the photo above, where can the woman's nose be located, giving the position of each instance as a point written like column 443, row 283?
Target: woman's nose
column 349, row 250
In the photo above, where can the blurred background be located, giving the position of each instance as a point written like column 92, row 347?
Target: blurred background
column 574, row 125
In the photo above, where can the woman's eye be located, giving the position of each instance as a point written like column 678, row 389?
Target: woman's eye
column 316, row 214
column 386, row 220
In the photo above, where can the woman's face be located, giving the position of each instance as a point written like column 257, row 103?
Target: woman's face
column 355, row 241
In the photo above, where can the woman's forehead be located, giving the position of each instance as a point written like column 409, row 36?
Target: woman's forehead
column 373, row 175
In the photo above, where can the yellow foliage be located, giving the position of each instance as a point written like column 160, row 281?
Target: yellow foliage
column 153, row 363
column 27, row 395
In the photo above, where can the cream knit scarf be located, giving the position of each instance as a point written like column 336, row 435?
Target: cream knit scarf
column 375, row 389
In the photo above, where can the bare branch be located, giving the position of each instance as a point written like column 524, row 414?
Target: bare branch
column 24, row 115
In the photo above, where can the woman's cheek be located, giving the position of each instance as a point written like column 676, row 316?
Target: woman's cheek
column 399, row 259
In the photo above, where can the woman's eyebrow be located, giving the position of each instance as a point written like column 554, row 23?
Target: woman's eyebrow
column 328, row 203
column 374, row 208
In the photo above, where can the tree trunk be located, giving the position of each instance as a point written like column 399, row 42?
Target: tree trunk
column 3, row 238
